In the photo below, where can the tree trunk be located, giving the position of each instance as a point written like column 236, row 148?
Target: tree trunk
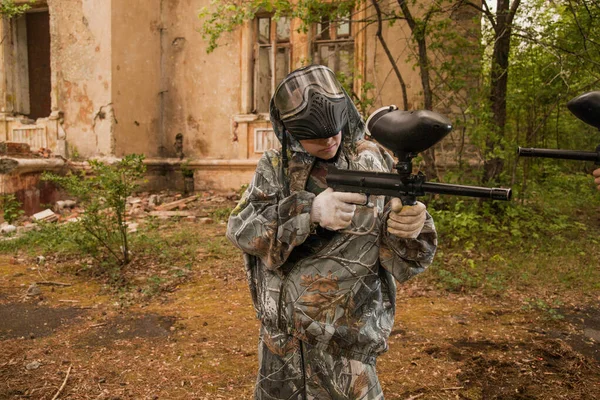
column 418, row 33
column 505, row 13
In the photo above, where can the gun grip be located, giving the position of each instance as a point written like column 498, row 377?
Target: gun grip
column 408, row 200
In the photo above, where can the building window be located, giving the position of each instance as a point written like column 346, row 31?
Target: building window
column 26, row 48
column 333, row 46
column 264, row 139
column 272, row 59
column 38, row 60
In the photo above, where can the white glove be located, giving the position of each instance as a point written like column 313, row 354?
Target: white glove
column 334, row 210
column 406, row 221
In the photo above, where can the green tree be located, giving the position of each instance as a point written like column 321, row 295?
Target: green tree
column 9, row 9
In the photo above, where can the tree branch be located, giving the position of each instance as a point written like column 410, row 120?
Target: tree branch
column 389, row 54
column 489, row 15
column 513, row 11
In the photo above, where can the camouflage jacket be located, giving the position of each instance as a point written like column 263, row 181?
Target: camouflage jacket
column 336, row 290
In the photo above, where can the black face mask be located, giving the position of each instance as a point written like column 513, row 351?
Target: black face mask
column 322, row 118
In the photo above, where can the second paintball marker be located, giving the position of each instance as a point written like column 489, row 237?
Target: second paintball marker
column 585, row 107
column 405, row 133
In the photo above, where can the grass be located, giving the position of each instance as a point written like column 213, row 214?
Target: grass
column 549, row 240
column 480, row 332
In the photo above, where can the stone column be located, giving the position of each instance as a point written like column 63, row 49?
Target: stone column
column 5, row 108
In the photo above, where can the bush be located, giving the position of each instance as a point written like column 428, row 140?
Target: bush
column 11, row 208
column 103, row 194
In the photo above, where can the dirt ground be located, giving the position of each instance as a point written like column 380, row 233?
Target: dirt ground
column 199, row 340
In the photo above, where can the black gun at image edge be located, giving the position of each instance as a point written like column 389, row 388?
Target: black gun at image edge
column 585, row 107
column 405, row 133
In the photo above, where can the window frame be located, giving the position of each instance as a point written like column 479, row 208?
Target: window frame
column 273, row 46
column 333, row 39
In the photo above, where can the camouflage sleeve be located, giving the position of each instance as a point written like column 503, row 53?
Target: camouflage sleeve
column 266, row 224
column 405, row 258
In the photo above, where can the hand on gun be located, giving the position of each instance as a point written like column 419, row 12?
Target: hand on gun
column 334, row 210
column 596, row 174
column 406, row 221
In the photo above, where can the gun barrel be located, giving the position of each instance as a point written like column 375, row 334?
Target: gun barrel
column 562, row 154
column 388, row 184
column 470, row 191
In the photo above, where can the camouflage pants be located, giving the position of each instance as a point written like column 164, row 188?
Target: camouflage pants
column 293, row 370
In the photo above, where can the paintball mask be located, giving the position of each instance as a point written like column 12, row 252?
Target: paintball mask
column 311, row 103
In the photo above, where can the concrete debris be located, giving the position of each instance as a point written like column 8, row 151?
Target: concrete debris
column 132, row 227
column 62, row 205
column 6, row 228
column 154, row 200
column 136, row 209
column 174, row 213
column 176, row 203
column 26, row 227
column 47, row 216
column 163, row 206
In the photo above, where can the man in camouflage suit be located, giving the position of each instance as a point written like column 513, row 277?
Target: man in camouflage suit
column 321, row 264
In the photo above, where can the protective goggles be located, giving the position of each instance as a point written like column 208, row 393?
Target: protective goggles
column 291, row 95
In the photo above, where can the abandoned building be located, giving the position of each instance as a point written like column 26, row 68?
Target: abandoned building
column 105, row 78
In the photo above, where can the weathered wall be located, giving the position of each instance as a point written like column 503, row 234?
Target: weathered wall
column 129, row 76
column 81, row 72
column 203, row 91
column 136, row 72
column 379, row 69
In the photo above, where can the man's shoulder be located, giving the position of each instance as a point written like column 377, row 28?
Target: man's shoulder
column 270, row 157
column 365, row 145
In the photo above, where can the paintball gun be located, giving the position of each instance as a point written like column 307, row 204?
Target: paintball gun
column 585, row 107
column 405, row 133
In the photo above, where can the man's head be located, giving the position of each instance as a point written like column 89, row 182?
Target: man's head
column 313, row 108
column 325, row 148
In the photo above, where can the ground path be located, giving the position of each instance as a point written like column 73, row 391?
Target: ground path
column 199, row 341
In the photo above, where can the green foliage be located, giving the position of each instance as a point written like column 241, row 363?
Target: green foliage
column 242, row 189
column 547, row 239
column 551, row 311
column 9, row 9
column 223, row 17
column 64, row 239
column 221, row 214
column 103, row 193
column 186, row 171
column 11, row 208
column 154, row 286
column 218, row 247
column 364, row 100
column 547, row 210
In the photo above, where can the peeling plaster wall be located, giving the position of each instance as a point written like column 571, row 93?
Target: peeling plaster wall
column 203, row 89
column 379, row 69
column 398, row 38
column 81, row 73
column 136, row 72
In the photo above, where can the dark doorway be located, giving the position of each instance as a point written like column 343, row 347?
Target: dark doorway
column 38, row 53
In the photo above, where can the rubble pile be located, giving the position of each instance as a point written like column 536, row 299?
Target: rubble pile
column 139, row 207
